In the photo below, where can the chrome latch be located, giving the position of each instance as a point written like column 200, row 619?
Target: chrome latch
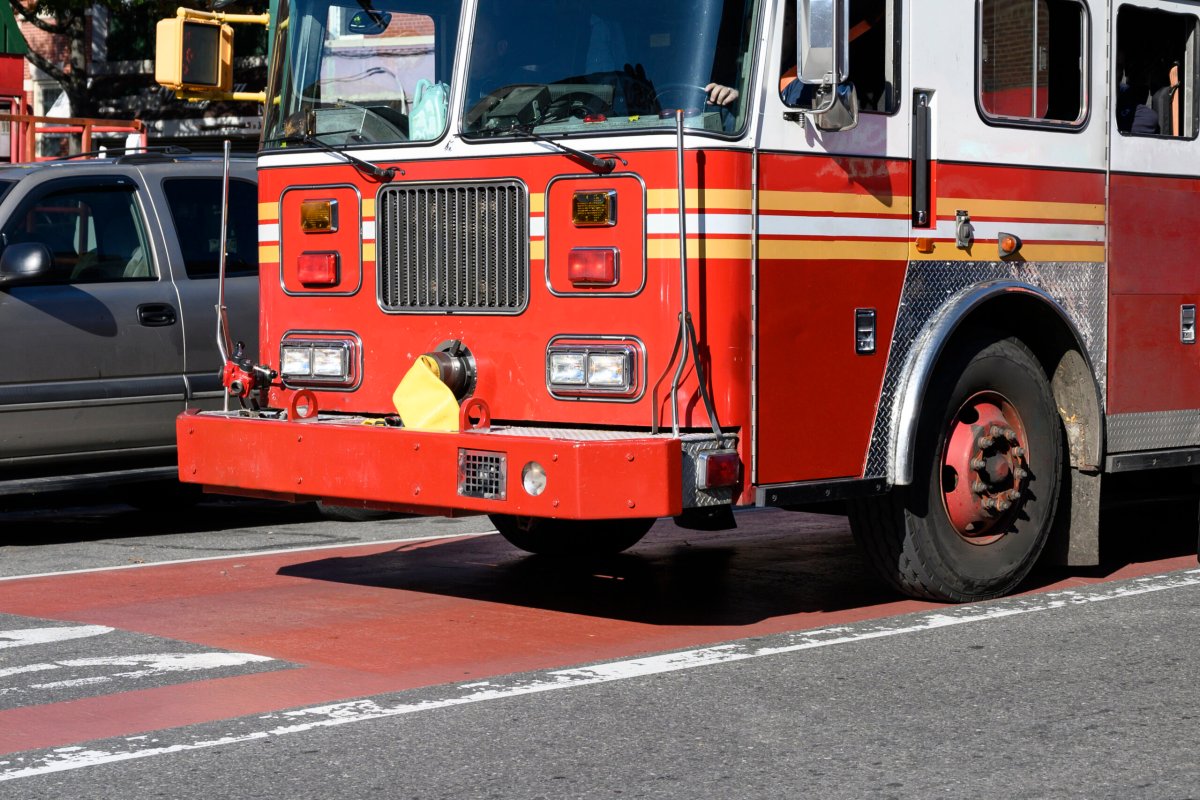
column 864, row 331
column 1187, row 324
column 964, row 231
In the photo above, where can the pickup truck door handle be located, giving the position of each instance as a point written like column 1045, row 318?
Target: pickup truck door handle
column 156, row 315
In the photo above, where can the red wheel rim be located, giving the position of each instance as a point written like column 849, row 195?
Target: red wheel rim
column 984, row 468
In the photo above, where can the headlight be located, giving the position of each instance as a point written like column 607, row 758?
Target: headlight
column 317, row 362
column 608, row 370
column 601, row 370
column 329, row 362
column 296, row 361
column 567, row 369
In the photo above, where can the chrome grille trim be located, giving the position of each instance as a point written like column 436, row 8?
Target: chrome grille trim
column 453, row 247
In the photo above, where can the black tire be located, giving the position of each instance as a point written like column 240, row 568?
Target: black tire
column 566, row 537
column 914, row 539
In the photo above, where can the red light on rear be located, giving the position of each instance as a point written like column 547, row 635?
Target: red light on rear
column 592, row 266
column 317, row 269
column 714, row 469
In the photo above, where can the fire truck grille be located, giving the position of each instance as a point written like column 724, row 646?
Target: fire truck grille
column 453, row 247
column 482, row 473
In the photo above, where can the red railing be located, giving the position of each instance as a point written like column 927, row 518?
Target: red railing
column 26, row 128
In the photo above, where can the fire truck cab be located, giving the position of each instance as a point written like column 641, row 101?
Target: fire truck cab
column 580, row 266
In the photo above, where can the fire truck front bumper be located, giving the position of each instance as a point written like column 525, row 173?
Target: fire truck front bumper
column 544, row 472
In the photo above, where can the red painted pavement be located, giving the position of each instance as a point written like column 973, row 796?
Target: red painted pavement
column 378, row 618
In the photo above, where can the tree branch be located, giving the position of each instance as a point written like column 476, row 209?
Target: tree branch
column 30, row 15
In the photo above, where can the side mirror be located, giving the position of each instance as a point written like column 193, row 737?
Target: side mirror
column 24, row 262
column 822, row 39
column 842, row 113
column 833, row 108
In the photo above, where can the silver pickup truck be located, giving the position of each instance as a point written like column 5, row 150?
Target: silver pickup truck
column 108, row 283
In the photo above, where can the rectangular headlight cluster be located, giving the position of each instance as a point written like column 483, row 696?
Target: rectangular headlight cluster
column 590, row 369
column 314, row 361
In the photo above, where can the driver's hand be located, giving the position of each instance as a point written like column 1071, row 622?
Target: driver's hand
column 720, row 95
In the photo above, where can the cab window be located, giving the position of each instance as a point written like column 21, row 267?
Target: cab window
column 1032, row 62
column 874, row 56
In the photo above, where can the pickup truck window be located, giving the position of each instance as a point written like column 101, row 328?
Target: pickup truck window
column 95, row 234
column 195, row 205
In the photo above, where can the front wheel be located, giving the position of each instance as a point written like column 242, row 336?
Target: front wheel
column 986, row 482
column 563, row 537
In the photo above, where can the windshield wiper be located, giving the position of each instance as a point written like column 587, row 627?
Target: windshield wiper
column 382, row 174
column 601, row 165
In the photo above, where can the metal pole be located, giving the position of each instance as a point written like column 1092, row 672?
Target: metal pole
column 222, row 324
column 680, row 178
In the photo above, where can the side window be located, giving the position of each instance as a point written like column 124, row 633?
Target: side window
column 95, row 234
column 874, row 56
column 195, row 205
column 1032, row 62
column 1155, row 73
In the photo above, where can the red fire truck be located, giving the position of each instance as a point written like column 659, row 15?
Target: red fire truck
column 578, row 267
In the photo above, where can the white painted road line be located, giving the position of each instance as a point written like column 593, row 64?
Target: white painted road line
column 25, row 637
column 307, row 719
column 151, row 665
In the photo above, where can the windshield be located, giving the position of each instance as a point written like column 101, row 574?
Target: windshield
column 361, row 71
column 557, row 66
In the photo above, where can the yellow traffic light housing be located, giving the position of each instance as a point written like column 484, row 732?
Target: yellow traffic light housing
column 194, row 55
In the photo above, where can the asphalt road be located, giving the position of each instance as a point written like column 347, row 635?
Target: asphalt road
column 753, row 663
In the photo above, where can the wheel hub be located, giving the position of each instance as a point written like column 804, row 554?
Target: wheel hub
column 984, row 467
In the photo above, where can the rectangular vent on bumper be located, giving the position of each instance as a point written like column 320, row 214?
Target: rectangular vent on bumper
column 482, row 473
column 453, row 247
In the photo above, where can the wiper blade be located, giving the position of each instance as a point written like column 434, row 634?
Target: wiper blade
column 601, row 165
column 382, row 174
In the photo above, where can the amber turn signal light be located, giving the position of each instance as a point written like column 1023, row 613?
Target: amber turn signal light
column 1008, row 244
column 318, row 216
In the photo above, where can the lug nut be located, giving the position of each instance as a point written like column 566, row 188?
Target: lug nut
column 984, row 442
column 996, row 431
column 988, row 503
column 1014, row 494
column 978, row 463
column 1019, row 452
column 1010, row 434
column 978, row 487
column 1020, row 474
column 1003, row 505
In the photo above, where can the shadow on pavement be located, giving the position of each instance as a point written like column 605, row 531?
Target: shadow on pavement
column 776, row 563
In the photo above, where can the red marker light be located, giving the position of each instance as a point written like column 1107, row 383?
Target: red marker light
column 317, row 269
column 717, row 468
column 592, row 266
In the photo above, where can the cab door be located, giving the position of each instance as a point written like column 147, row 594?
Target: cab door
column 833, row 226
column 1154, row 283
column 93, row 352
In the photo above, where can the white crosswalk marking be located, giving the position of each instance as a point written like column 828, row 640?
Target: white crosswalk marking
column 24, row 637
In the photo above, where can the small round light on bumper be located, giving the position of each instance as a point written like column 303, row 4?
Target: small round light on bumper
column 533, row 478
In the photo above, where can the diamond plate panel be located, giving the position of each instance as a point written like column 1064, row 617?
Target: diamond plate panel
column 1080, row 288
column 693, row 497
column 1153, row 430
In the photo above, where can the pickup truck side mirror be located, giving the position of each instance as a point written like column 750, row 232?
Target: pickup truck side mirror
column 23, row 262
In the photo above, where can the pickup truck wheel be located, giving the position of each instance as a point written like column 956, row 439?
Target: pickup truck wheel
column 988, row 471
column 563, row 537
